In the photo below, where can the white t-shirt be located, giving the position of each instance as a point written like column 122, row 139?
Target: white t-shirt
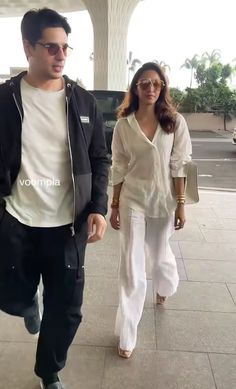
column 146, row 167
column 42, row 195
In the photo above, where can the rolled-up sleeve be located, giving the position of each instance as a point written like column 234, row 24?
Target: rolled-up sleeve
column 182, row 149
column 120, row 159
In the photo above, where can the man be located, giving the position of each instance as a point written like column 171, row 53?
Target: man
column 53, row 182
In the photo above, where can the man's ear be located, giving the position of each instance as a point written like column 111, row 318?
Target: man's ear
column 27, row 48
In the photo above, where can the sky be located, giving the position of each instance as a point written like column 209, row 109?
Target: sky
column 169, row 31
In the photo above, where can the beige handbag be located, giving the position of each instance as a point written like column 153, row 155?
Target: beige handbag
column 191, row 187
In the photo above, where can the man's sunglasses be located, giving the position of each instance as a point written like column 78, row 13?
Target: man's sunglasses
column 145, row 83
column 54, row 48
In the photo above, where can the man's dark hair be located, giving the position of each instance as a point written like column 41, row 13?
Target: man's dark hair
column 36, row 20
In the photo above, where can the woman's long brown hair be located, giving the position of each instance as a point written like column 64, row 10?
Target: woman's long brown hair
column 164, row 109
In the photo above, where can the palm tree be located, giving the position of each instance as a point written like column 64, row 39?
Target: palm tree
column 234, row 66
column 163, row 65
column 192, row 65
column 132, row 63
column 212, row 57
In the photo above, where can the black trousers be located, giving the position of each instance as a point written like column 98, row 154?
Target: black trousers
column 26, row 253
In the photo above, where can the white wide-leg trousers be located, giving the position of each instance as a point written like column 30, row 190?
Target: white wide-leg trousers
column 142, row 237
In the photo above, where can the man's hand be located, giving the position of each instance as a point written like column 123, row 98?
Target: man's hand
column 96, row 227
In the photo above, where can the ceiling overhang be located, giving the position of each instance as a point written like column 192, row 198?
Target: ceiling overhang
column 19, row 7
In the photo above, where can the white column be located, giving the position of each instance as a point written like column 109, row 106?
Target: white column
column 110, row 20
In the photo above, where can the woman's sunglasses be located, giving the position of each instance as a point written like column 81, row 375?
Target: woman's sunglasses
column 54, row 48
column 145, row 83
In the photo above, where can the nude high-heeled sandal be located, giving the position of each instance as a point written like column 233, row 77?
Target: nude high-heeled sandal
column 160, row 300
column 124, row 353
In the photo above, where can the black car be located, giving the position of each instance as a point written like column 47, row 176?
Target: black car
column 108, row 101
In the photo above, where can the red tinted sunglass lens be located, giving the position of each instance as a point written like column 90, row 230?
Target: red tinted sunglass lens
column 53, row 49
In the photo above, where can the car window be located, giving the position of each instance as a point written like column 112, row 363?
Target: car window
column 108, row 102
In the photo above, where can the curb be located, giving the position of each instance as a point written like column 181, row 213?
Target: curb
column 212, row 189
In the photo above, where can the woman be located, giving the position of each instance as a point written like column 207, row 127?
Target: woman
column 150, row 148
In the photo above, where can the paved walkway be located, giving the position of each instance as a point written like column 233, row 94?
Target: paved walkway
column 188, row 344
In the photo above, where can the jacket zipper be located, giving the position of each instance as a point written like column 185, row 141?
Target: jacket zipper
column 18, row 108
column 71, row 162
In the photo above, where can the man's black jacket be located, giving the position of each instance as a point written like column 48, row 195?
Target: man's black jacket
column 86, row 139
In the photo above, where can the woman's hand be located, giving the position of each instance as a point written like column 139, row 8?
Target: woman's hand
column 179, row 217
column 115, row 218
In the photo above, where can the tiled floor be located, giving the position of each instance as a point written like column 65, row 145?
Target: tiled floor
column 188, row 344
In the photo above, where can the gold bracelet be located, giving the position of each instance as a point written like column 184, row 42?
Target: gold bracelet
column 114, row 205
column 115, row 201
column 180, row 198
column 180, row 202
